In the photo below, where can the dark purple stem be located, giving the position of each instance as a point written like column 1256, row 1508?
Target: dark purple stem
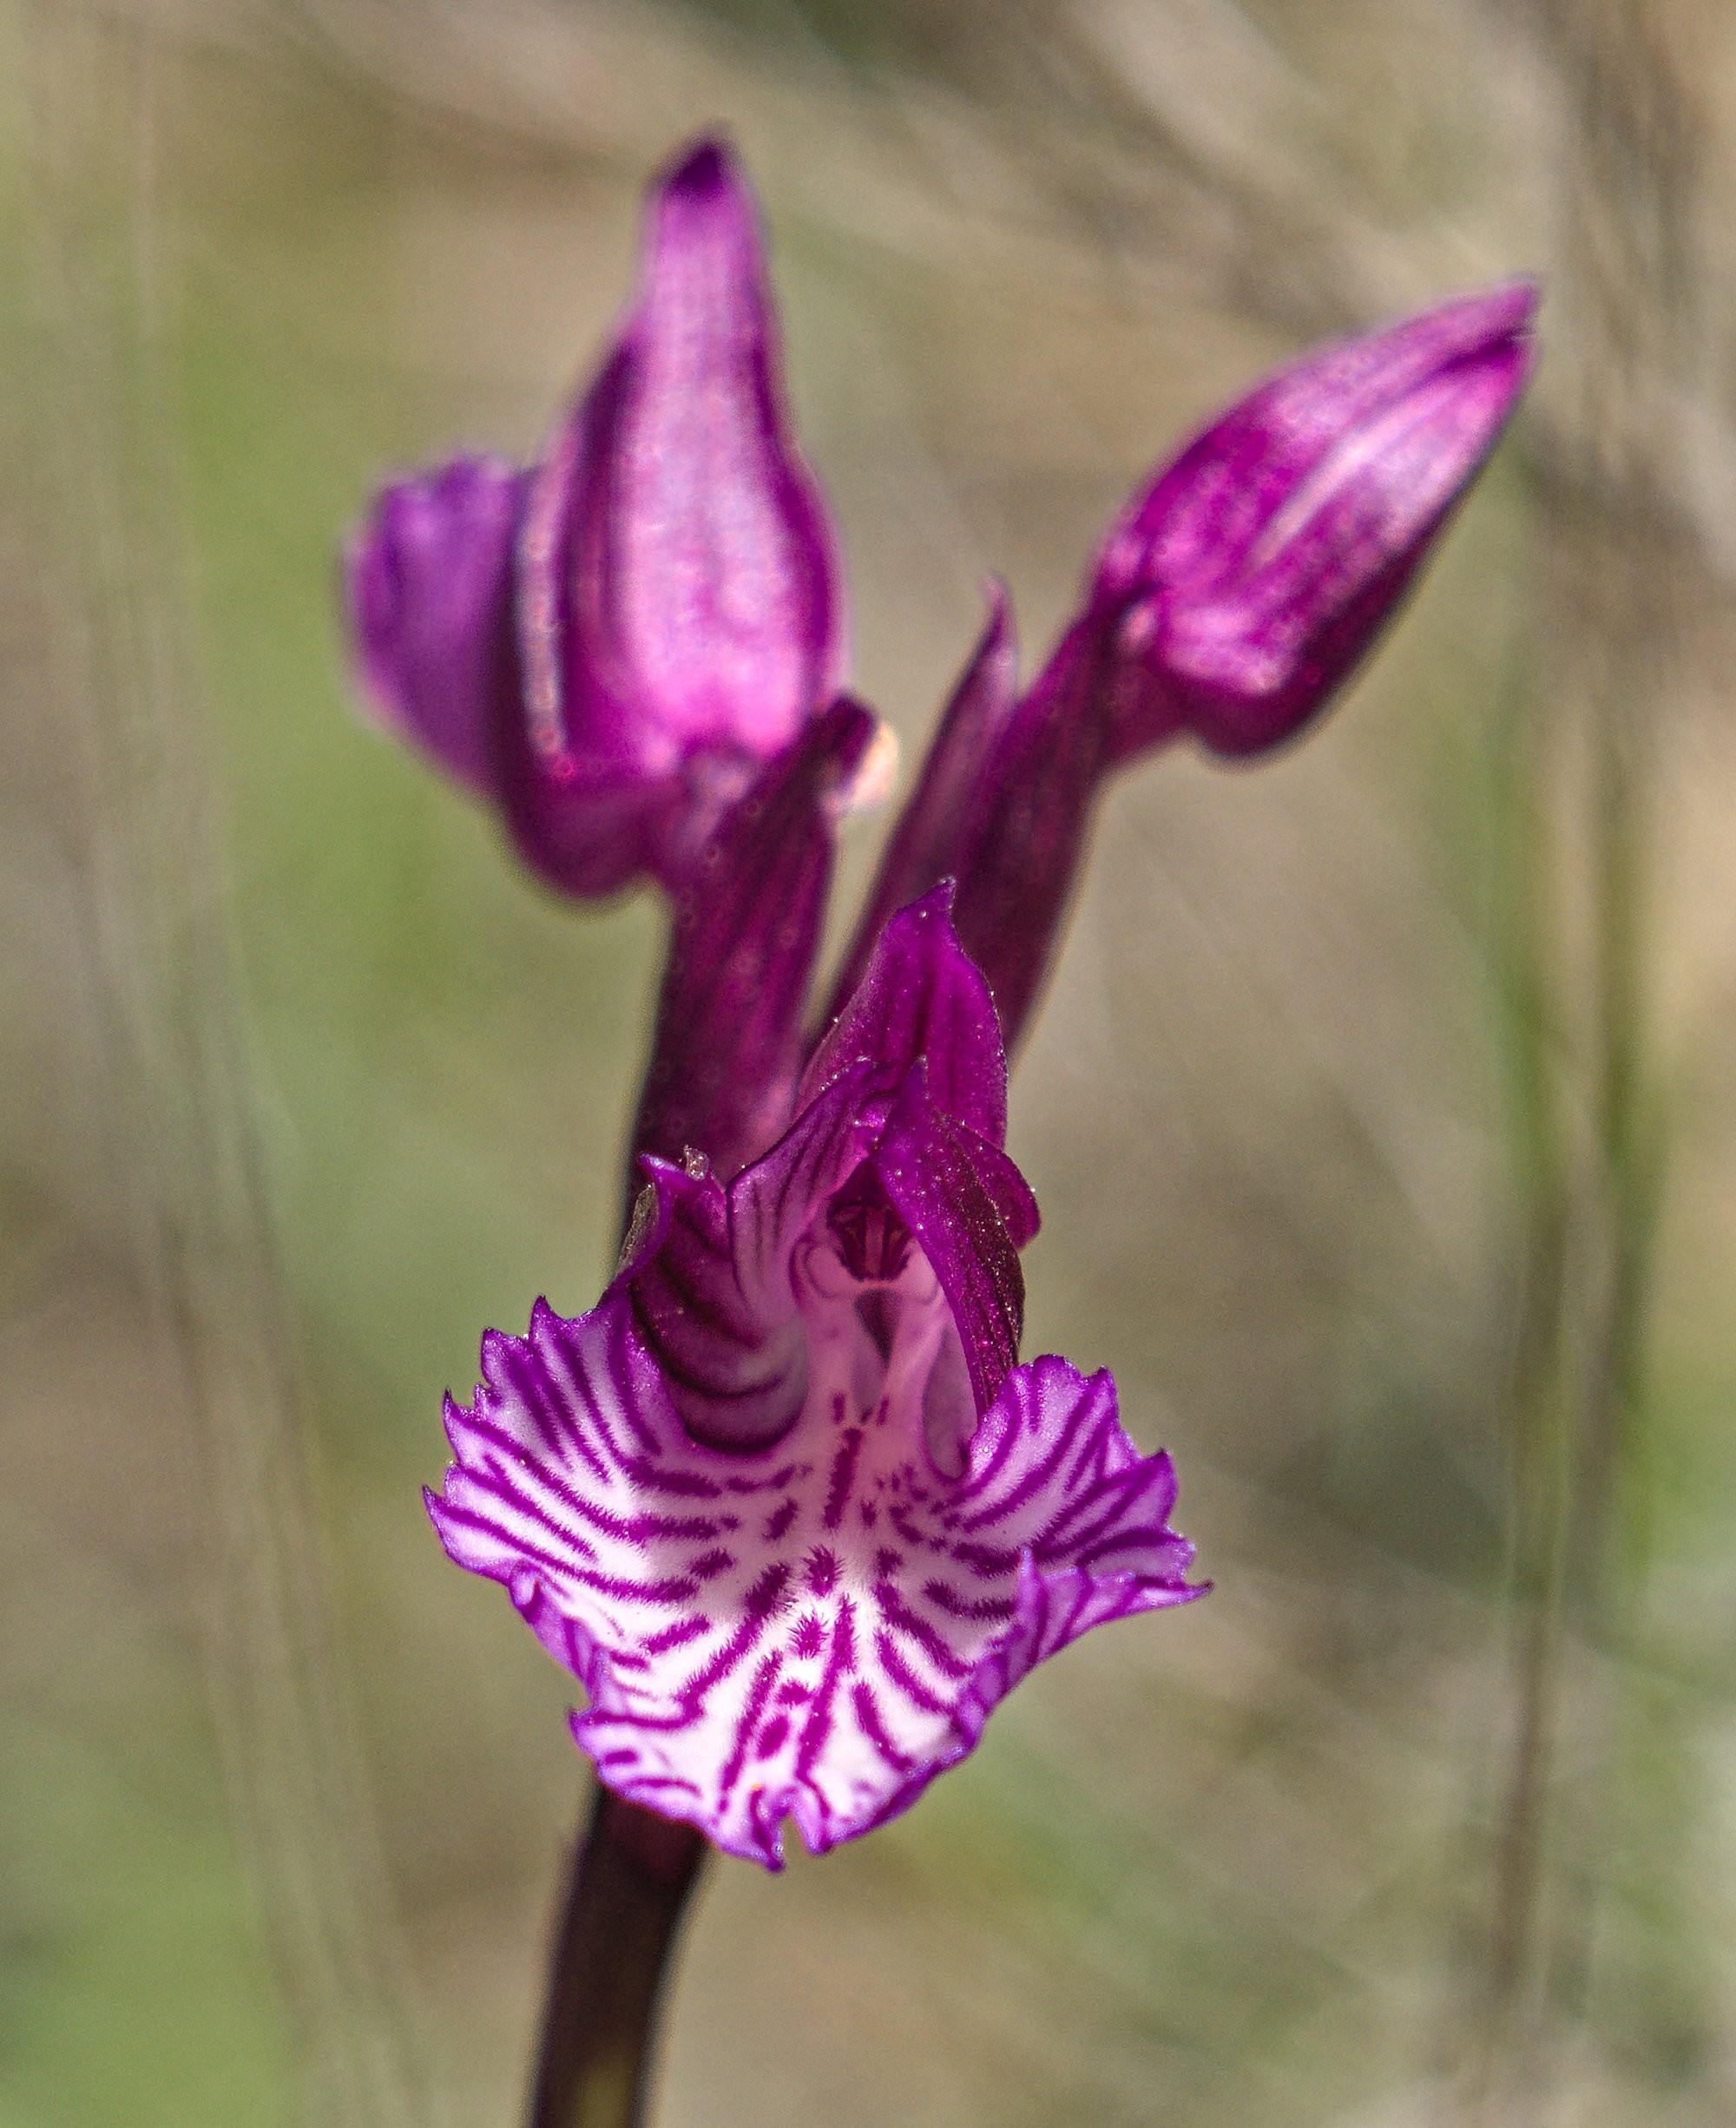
column 633, row 1876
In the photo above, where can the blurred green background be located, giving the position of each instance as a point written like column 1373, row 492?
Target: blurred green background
column 1382, row 1112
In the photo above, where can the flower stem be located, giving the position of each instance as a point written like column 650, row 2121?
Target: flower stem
column 633, row 1874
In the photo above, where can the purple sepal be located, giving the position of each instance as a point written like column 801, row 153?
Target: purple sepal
column 811, row 1630
column 1246, row 583
column 747, row 922
column 1005, row 813
column 1026, row 843
column 429, row 578
column 678, row 601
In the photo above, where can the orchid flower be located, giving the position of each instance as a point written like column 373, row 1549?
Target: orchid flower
column 786, row 1503
column 609, row 646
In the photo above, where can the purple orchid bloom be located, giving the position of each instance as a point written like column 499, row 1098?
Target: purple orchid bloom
column 783, row 1502
column 609, row 646
column 786, row 1501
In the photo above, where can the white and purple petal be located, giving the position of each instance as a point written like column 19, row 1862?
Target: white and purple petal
column 709, row 1277
column 736, row 1370
column 811, row 1631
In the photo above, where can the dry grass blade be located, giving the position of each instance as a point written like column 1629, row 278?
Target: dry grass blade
column 184, row 1154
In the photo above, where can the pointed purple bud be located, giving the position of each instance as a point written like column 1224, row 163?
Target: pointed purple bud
column 1002, row 807
column 1247, row 582
column 668, row 577
column 678, row 600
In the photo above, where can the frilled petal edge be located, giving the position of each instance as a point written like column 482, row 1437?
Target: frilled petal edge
column 812, row 1632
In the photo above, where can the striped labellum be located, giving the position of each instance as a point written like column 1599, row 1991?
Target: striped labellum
column 784, row 1501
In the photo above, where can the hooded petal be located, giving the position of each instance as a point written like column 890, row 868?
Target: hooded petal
column 920, row 997
column 1255, row 571
column 814, row 1630
column 429, row 577
column 747, row 922
column 678, row 589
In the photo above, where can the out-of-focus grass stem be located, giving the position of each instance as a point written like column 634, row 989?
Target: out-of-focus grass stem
column 1540, row 1460
column 185, row 1157
column 1628, row 158
column 1606, row 1551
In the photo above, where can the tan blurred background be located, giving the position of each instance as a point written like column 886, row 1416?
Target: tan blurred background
column 1382, row 1115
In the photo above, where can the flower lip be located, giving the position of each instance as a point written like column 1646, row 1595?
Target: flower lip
column 812, row 1631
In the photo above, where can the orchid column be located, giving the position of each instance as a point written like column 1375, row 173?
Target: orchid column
column 786, row 1503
